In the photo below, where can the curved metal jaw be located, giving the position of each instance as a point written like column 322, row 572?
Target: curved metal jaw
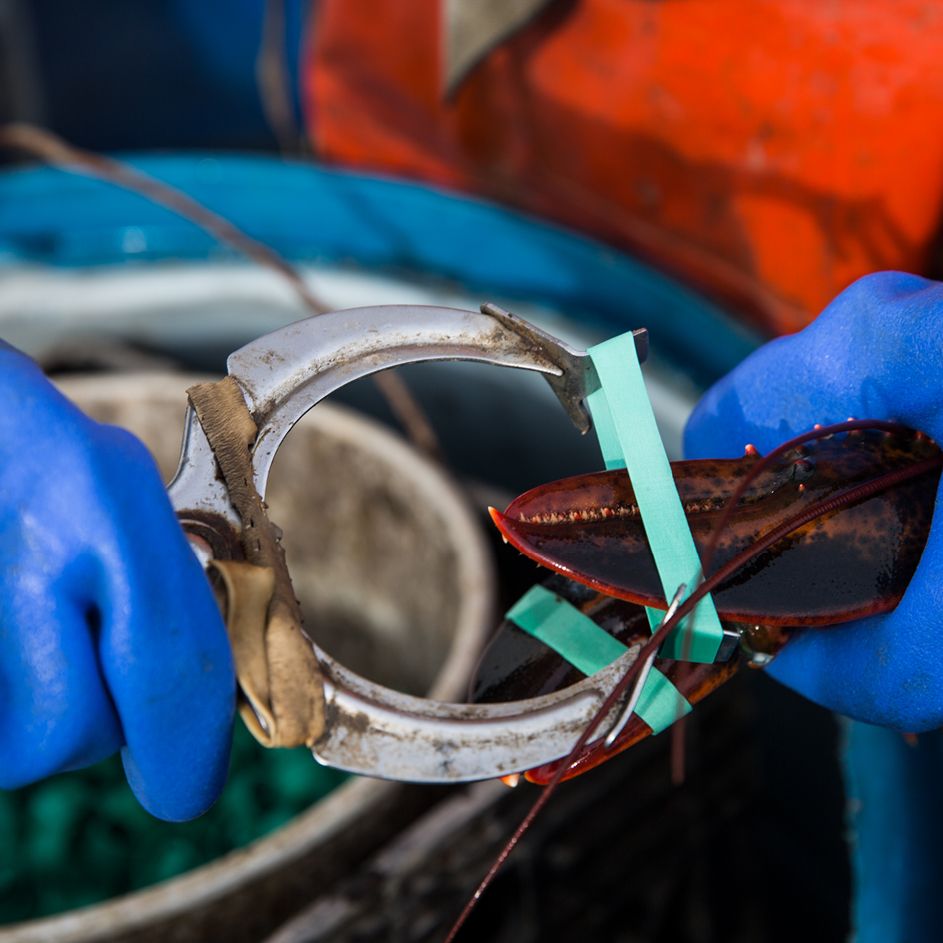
column 372, row 729
column 380, row 732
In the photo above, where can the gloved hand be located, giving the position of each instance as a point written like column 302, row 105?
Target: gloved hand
column 875, row 353
column 109, row 635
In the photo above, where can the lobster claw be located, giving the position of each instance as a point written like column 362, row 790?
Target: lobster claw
column 822, row 535
column 852, row 557
column 587, row 529
column 517, row 665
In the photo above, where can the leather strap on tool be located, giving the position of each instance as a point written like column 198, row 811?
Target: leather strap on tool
column 279, row 677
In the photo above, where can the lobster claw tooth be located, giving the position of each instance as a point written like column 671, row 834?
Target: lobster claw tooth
column 498, row 519
column 588, row 529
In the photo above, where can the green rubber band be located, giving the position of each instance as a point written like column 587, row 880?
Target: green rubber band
column 661, row 704
column 562, row 627
column 629, row 438
column 590, row 648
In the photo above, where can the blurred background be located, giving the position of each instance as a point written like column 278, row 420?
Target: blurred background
column 714, row 172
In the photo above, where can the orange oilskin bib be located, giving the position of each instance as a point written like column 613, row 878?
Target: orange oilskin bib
column 767, row 151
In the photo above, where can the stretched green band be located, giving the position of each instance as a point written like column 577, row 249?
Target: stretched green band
column 629, row 438
column 589, row 648
column 562, row 627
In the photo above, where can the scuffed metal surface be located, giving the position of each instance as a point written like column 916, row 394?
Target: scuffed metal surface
column 372, row 729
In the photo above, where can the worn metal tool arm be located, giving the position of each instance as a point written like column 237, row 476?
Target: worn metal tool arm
column 379, row 732
column 285, row 373
column 372, row 729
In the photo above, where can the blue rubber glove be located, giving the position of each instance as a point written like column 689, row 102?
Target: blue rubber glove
column 109, row 635
column 875, row 353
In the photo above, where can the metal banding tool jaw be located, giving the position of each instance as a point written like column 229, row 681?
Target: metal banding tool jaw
column 371, row 729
